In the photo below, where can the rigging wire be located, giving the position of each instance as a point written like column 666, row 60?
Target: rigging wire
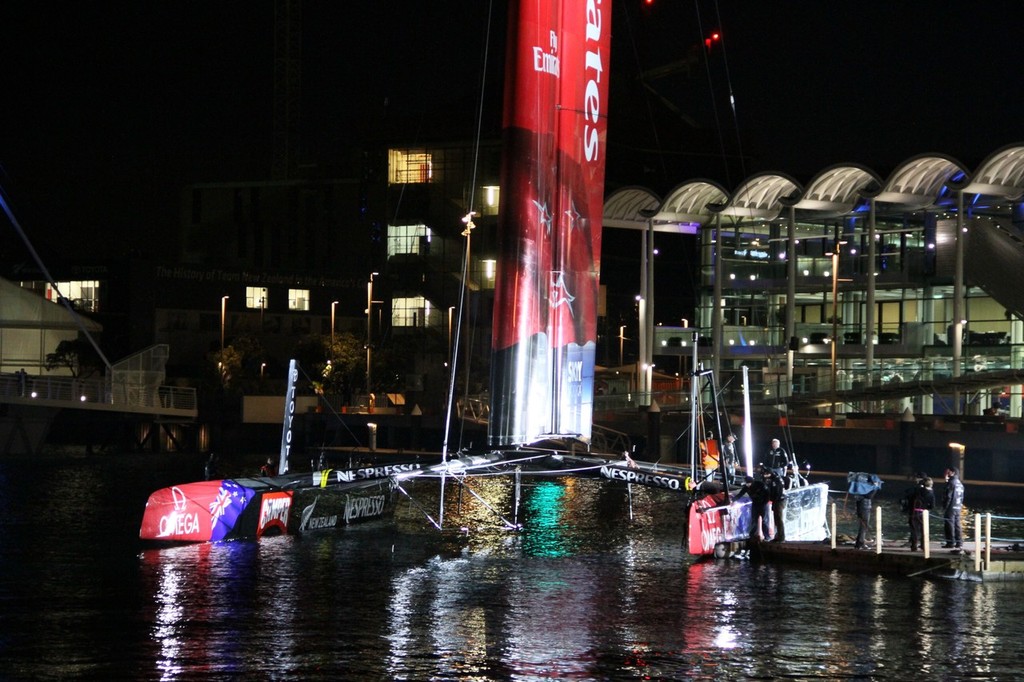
column 468, row 219
column 647, row 100
column 49, row 278
column 714, row 105
column 732, row 96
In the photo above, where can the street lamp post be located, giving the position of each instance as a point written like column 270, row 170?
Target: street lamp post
column 958, row 457
column 451, row 319
column 647, row 302
column 622, row 341
column 369, row 333
column 838, row 244
column 835, row 327
column 334, row 304
column 223, row 311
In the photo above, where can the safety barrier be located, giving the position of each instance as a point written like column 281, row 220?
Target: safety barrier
column 983, row 538
column 96, row 393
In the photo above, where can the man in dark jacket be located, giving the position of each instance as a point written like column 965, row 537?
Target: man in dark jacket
column 758, row 493
column 776, row 458
column 864, row 517
column 863, row 487
column 777, row 496
column 952, row 506
column 924, row 498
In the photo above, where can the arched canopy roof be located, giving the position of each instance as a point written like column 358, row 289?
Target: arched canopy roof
column 1000, row 175
column 836, row 190
column 625, row 208
column 919, row 181
column 686, row 206
column 683, row 212
column 759, row 197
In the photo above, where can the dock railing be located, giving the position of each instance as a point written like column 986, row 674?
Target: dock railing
column 983, row 538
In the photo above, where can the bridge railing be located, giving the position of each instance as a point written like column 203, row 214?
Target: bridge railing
column 474, row 408
column 98, row 393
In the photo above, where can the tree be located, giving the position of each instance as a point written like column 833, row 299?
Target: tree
column 337, row 369
column 228, row 365
column 77, row 356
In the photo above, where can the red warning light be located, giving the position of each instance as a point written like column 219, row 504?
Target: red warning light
column 712, row 39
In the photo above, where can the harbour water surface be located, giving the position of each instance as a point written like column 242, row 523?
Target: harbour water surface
column 581, row 593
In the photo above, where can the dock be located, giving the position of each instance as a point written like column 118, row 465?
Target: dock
column 1005, row 563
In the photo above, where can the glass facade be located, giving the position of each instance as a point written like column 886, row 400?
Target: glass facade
column 896, row 294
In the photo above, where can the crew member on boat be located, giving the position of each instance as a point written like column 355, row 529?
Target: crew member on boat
column 730, row 458
column 709, row 456
column 758, row 492
column 777, row 496
column 777, row 457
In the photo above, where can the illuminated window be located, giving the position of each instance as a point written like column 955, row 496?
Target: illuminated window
column 256, row 297
column 409, row 166
column 487, row 276
column 83, row 294
column 414, row 239
column 414, row 311
column 490, row 200
column 298, row 299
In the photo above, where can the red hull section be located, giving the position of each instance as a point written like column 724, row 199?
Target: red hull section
column 713, row 522
column 182, row 513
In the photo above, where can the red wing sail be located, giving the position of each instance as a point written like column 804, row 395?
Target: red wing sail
column 545, row 312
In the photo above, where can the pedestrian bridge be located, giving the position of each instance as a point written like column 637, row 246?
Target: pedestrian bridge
column 101, row 394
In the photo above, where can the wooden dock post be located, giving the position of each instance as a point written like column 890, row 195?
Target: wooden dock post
column 878, row 529
column 988, row 540
column 924, row 533
column 833, row 525
column 977, row 542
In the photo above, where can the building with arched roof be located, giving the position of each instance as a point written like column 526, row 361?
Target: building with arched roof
column 856, row 292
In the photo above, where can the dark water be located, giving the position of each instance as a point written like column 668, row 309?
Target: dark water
column 583, row 593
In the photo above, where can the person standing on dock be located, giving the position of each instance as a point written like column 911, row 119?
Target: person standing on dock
column 924, row 498
column 863, row 487
column 863, row 517
column 952, row 506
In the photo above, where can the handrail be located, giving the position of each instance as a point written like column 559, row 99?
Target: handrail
column 983, row 538
column 99, row 393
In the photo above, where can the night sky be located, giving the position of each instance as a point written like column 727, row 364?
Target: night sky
column 108, row 114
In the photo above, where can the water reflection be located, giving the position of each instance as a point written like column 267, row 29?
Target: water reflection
column 581, row 592
column 545, row 504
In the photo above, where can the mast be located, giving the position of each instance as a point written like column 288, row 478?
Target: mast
column 694, row 402
column 748, row 436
